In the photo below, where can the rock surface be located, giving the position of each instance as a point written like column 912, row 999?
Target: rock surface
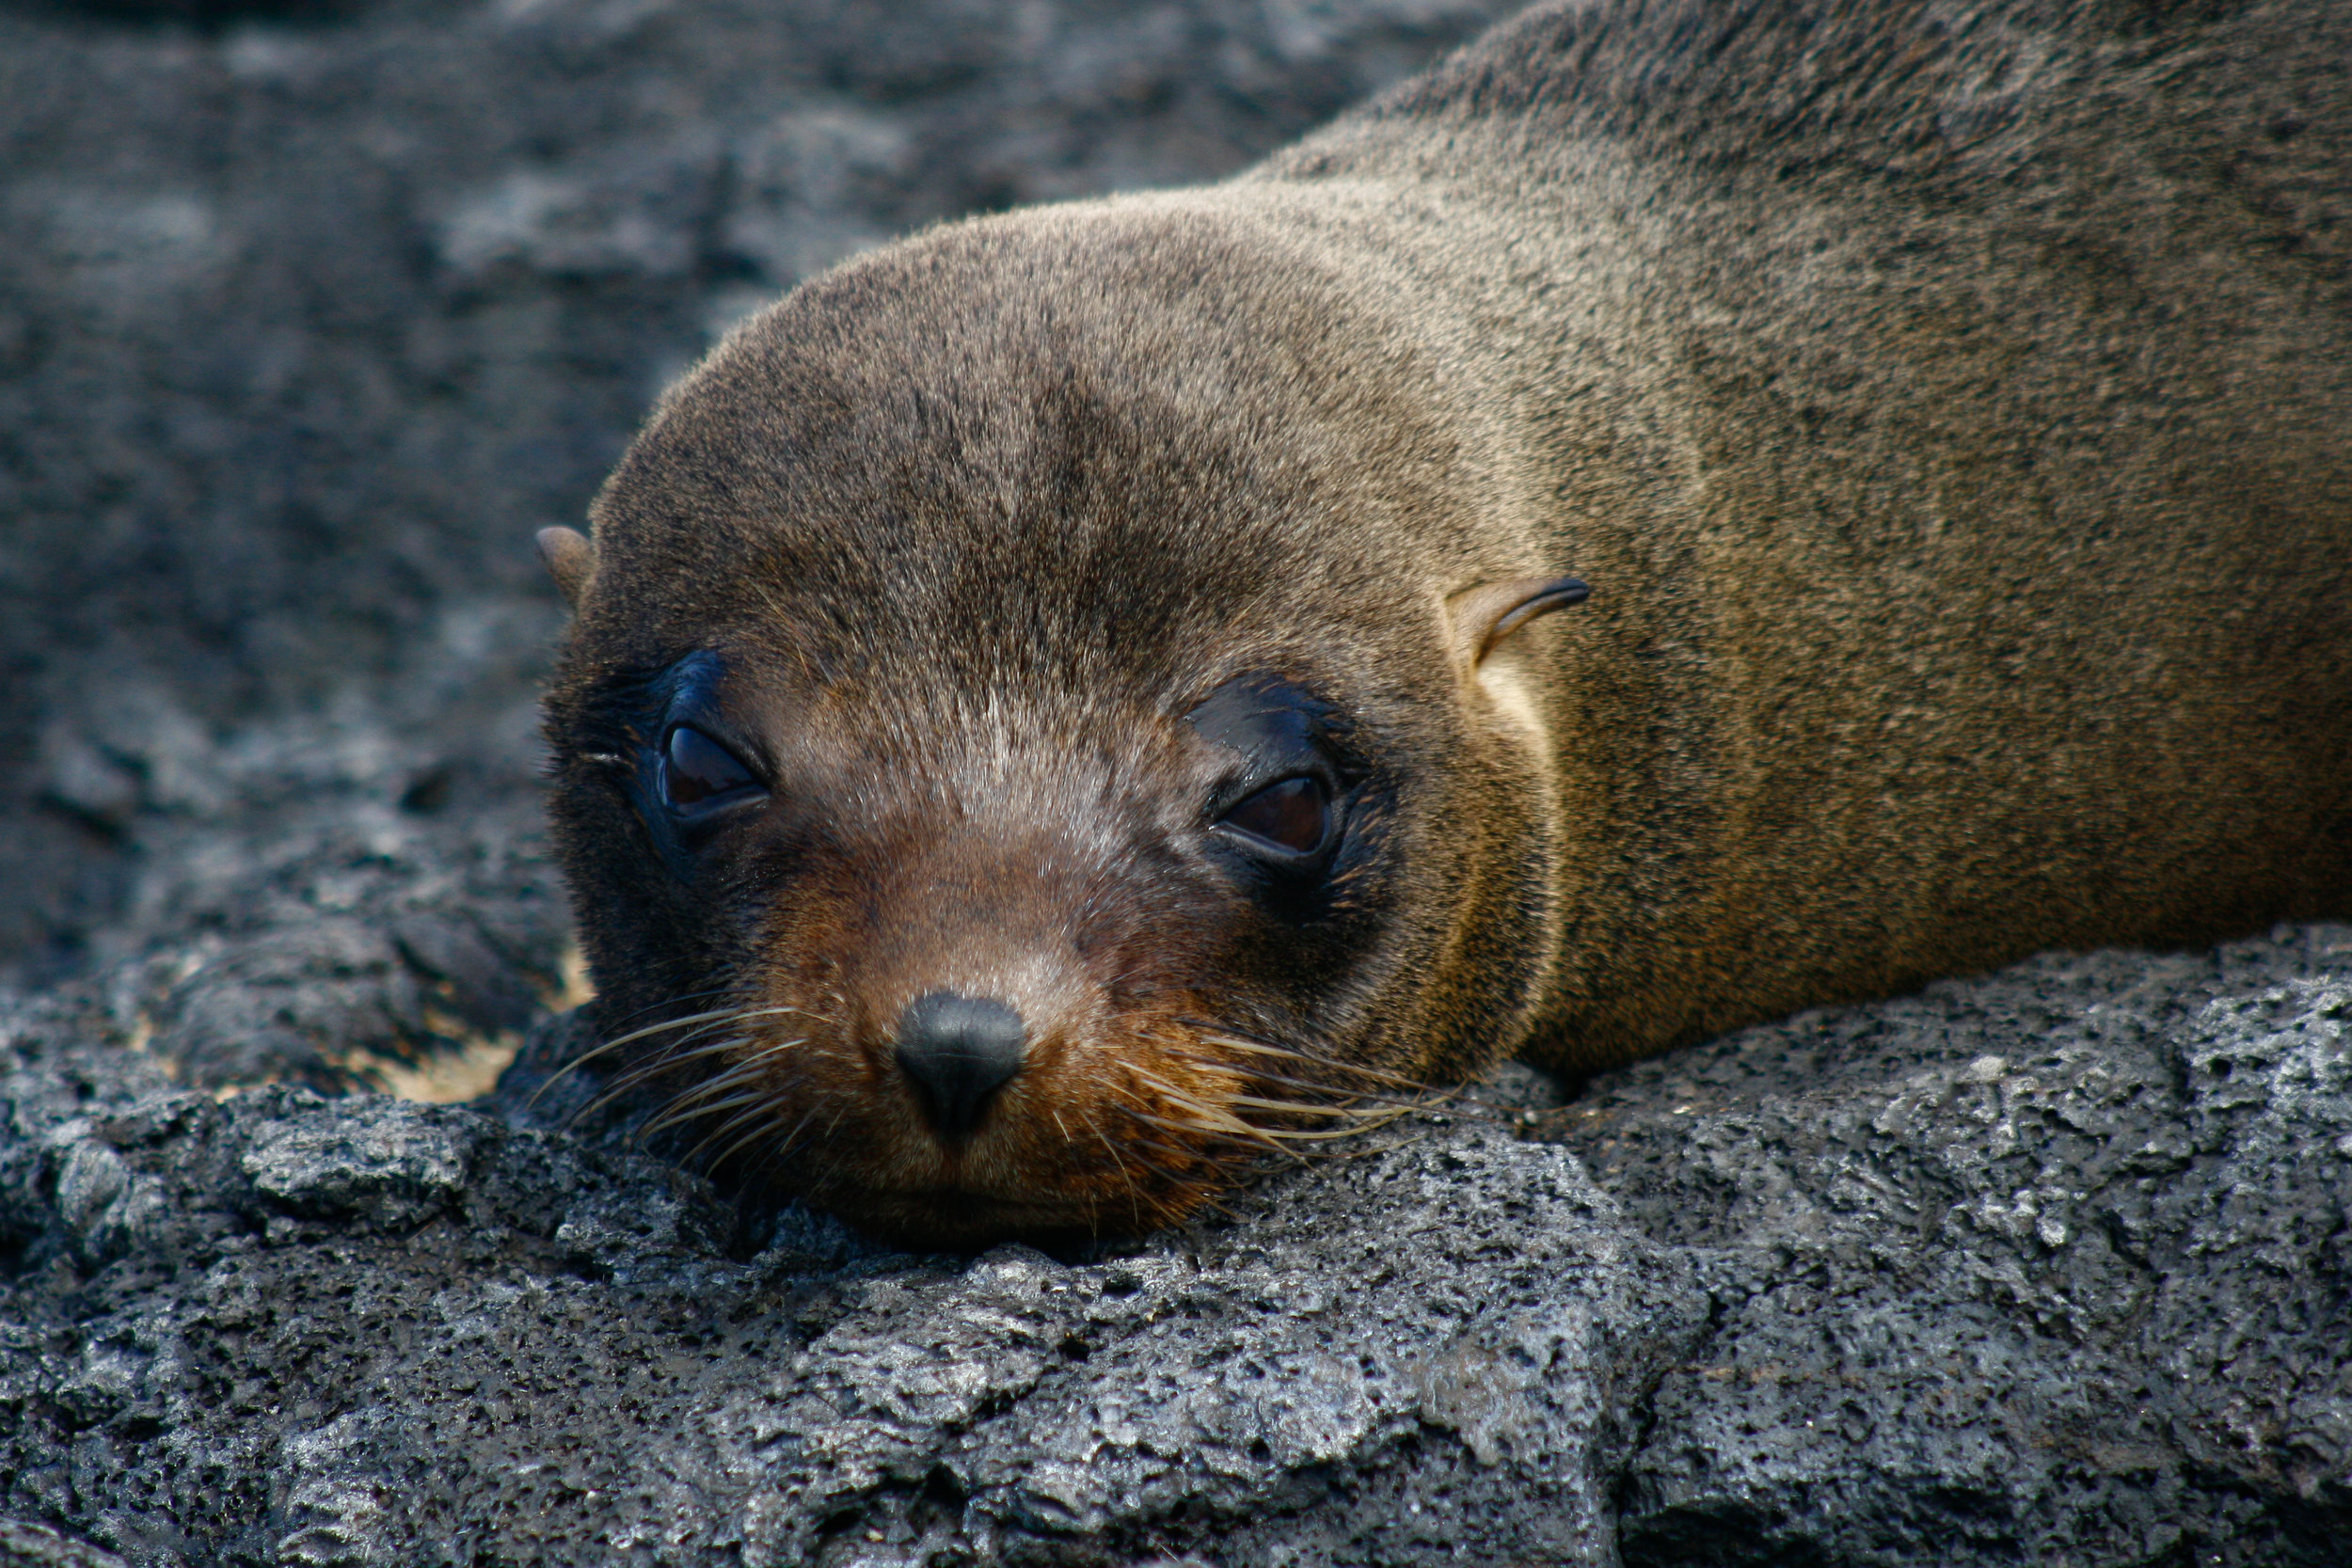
column 310, row 314
column 2051, row 1266
column 304, row 1330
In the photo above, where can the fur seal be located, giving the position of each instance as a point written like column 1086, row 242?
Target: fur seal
column 1069, row 699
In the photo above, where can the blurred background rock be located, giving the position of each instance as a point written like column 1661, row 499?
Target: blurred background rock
column 311, row 312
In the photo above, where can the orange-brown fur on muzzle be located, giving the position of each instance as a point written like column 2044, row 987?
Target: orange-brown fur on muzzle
column 990, row 899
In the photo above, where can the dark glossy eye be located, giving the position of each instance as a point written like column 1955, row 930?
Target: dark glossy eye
column 696, row 770
column 1291, row 816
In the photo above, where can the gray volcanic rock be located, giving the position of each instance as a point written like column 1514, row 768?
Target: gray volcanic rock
column 2048, row 1266
column 2051, row 1266
column 297, row 1329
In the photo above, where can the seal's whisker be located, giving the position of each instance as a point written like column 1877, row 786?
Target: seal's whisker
column 746, row 1068
column 1385, row 1081
column 1215, row 1026
column 1271, row 1075
column 774, row 1157
column 792, row 1137
column 672, row 1059
column 719, row 1017
column 1286, row 1081
column 722, row 1015
column 652, row 1029
column 698, row 1100
column 756, row 1121
column 1287, row 1136
column 750, row 1111
column 1196, row 1167
column 1204, row 1119
column 1226, row 1129
column 634, row 1078
column 1259, row 1048
column 674, row 1001
column 676, row 1057
column 1306, row 1108
column 761, row 1127
column 754, row 1113
column 1429, row 1098
column 1206, row 1116
column 1242, row 1040
column 702, row 1098
column 1134, row 1191
column 1239, row 1132
column 679, row 1115
column 606, row 1047
column 654, row 1067
column 664, row 1106
column 1187, row 1156
column 1219, row 1119
column 573, row 1066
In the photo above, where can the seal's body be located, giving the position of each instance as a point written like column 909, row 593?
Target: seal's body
column 1068, row 698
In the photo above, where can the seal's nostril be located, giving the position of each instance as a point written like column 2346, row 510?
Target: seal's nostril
column 958, row 1050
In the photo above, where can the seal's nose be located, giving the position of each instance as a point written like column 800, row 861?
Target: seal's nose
column 958, row 1050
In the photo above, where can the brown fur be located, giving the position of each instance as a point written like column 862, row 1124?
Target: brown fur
column 1951, row 406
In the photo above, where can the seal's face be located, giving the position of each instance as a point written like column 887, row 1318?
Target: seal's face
column 1017, row 798
column 992, row 970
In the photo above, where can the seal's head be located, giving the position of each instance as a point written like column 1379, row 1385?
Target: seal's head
column 1038, row 727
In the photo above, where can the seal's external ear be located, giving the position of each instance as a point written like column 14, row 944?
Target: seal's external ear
column 570, row 558
column 1484, row 615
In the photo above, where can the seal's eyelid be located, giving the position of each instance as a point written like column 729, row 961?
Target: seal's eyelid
column 1274, row 762
column 691, row 683
column 1261, row 715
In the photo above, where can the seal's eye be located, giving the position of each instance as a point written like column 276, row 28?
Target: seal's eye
column 696, row 770
column 1291, row 816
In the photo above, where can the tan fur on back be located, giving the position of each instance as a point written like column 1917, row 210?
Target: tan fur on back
column 1955, row 413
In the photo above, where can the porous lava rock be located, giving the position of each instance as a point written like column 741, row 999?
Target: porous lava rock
column 2047, row 1266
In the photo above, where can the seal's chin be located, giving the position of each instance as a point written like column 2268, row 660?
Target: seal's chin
column 958, row 1219
column 1041, row 1201
column 1031, row 1174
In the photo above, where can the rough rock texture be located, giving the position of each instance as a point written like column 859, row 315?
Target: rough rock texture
column 308, row 314
column 2048, row 1267
column 2051, row 1267
column 304, row 1330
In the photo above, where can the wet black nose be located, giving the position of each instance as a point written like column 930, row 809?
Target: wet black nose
column 958, row 1050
